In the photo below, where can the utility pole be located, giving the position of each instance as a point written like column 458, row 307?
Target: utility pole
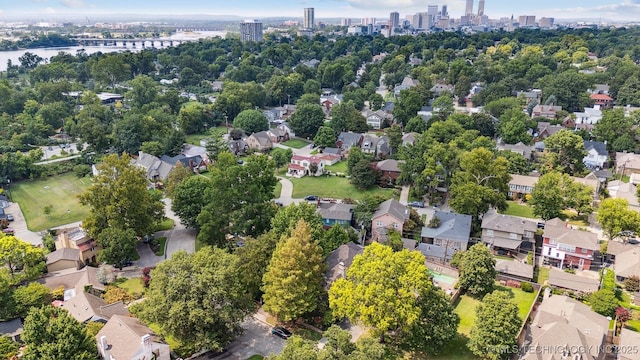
column 226, row 122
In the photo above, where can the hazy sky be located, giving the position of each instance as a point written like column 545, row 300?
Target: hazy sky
column 59, row 9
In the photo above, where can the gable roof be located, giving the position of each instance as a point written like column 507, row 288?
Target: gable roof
column 124, row 335
column 513, row 267
column 628, row 262
column 72, row 279
column 331, row 150
column 629, row 339
column 601, row 97
column 153, row 166
column 409, row 137
column 339, row 260
column 615, row 247
column 577, row 238
column 565, row 280
column 520, row 148
column 505, row 223
column 11, row 327
column 627, row 160
column 349, row 138
column 598, row 146
column 455, row 227
column 88, row 307
column 187, row 161
column 262, row 137
column 391, row 165
column 393, row 208
column 336, row 211
column 63, row 254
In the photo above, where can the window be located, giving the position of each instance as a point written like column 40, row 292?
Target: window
column 567, row 248
column 513, row 236
column 489, row 232
column 528, row 234
column 552, row 241
column 584, row 251
column 437, row 242
column 396, row 225
column 379, row 223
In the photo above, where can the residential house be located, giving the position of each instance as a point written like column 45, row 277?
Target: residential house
column 569, row 122
column 426, row 113
column 565, row 247
column 334, row 213
column 62, row 259
column 597, row 154
column 409, row 138
column 126, row 338
column 519, row 148
column 615, row 247
column 155, row 169
column 86, row 307
column 628, row 342
column 514, row 269
column 260, row 141
column 390, row 214
column 347, row 140
column 332, row 151
column 568, row 328
column 567, row 281
column 301, row 165
column 190, row 151
column 196, row 163
column 238, row 147
column 439, row 89
column 407, row 83
column 627, row 263
column 521, row 185
column 329, row 101
column 376, row 119
column 77, row 238
column 603, row 100
column 590, row 116
column 545, row 111
column 627, row 163
column 506, row 234
column 278, row 135
column 377, row 146
column 545, row 130
column 339, row 260
column 600, row 89
column 11, row 329
column 619, row 189
column 449, row 236
column 530, row 96
column 284, row 126
column 74, row 281
column 217, row 86
column 389, row 170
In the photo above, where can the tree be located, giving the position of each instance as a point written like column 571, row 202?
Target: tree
column 256, row 254
column 496, row 327
column 189, row 199
column 394, row 132
column 517, row 162
column 281, row 156
column 325, row 137
column 334, row 237
column 111, row 69
column 443, row 105
column 604, row 302
column 477, row 271
column 408, row 105
column 416, row 124
column 613, row 126
column 287, row 218
column 176, row 176
column 307, row 120
column 548, row 197
column 512, row 127
column 16, row 254
column 481, row 182
column 363, row 175
column 117, row 245
column 8, row 348
column 355, row 156
column 251, row 121
column 292, row 284
column 569, row 88
column 192, row 118
column 198, row 299
column 52, row 333
column 632, row 283
column 115, row 294
column 615, row 217
column 33, row 295
column 119, row 198
column 382, row 289
column 565, row 152
column 144, row 90
column 154, row 148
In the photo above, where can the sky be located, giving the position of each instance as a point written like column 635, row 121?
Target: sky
column 59, row 9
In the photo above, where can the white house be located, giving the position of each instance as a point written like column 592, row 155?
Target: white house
column 375, row 118
column 590, row 116
column 597, row 154
column 301, row 164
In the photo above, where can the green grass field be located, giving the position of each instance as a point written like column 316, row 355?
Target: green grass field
column 132, row 286
column 161, row 245
column 456, row 349
column 543, row 275
column 194, row 139
column 277, row 190
column 295, row 143
column 515, row 209
column 333, row 187
column 59, row 192
column 340, row 167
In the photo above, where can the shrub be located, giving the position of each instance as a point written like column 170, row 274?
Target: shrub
column 608, row 279
column 530, row 258
column 570, row 270
column 632, row 283
column 82, row 170
column 526, row 287
column 58, row 293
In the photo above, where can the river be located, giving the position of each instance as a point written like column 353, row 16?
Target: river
column 47, row 53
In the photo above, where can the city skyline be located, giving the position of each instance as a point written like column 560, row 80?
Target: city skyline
column 59, row 9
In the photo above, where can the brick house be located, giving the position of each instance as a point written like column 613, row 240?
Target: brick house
column 390, row 215
column 506, row 234
column 564, row 247
column 603, row 100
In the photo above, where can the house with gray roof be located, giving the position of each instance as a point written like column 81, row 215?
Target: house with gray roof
column 375, row 119
column 335, row 213
column 196, row 163
column 564, row 280
column 563, row 246
column 449, row 236
column 63, row 258
column 260, row 141
column 628, row 345
column 597, row 154
column 154, row 168
column 339, row 260
column 409, row 138
column 74, row 281
column 568, row 328
column 519, row 148
column 347, row 140
column 331, row 150
column 627, row 163
column 514, row 269
column 86, row 307
column 11, row 329
column 506, row 234
column 628, row 263
column 125, row 337
column 390, row 215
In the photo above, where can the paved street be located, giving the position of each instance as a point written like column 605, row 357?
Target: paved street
column 147, row 257
column 178, row 238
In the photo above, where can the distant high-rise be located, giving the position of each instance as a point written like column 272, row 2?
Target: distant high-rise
column 527, row 20
column 394, row 20
column 546, row 22
column 432, row 10
column 481, row 8
column 345, row 22
column 309, row 20
column 251, row 30
column 469, row 8
column 444, row 11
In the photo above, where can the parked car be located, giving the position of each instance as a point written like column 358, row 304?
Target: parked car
column 281, row 332
column 311, row 197
column 416, row 204
column 10, row 217
column 8, row 231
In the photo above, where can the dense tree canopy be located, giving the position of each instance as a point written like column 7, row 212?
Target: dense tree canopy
column 477, row 271
column 496, row 326
column 251, row 121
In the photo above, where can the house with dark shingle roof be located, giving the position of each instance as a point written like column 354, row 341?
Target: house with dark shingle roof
column 339, row 260
column 389, row 170
column 260, row 141
column 597, row 154
column 196, row 163
column 334, row 213
column 504, row 233
column 126, row 338
column 450, row 236
column 347, row 140
column 390, row 215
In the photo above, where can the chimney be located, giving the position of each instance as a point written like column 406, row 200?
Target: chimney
column 104, row 347
column 342, row 269
column 145, row 340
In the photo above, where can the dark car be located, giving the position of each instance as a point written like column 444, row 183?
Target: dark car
column 311, row 197
column 10, row 217
column 281, row 332
column 416, row 204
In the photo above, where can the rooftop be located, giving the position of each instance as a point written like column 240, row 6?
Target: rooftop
column 394, row 208
column 565, row 280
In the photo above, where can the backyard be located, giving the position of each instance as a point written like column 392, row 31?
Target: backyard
column 51, row 202
column 340, row 167
column 521, row 210
column 295, row 143
column 194, row 139
column 333, row 187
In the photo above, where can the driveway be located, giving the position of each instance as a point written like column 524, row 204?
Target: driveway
column 178, row 238
column 147, row 257
column 19, row 225
column 404, row 195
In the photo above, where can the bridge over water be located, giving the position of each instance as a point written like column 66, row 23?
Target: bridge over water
column 152, row 42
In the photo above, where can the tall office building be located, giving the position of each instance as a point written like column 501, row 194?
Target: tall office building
column 444, row 11
column 251, row 30
column 309, row 20
column 481, row 8
column 546, row 22
column 345, row 22
column 432, row 10
column 469, row 8
column 527, row 20
column 394, row 20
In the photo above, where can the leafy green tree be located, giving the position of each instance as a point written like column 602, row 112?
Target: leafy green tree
column 297, row 348
column 569, row 88
column 117, row 245
column 345, row 117
column 198, row 299
column 325, row 137
column 281, row 156
column 615, row 217
column 498, row 107
column 565, row 151
column 363, row 175
column 443, row 105
column 613, row 126
column 604, row 302
column 217, row 146
column 629, row 92
column 512, row 127
column 189, row 199
column 144, row 90
column 52, row 333
column 287, row 218
column 192, row 118
column 333, row 238
column 307, row 120
column 416, row 124
column 383, row 290
column 477, row 271
column 111, row 69
column 394, row 133
column 355, row 156
column 517, row 162
column 119, row 198
column 8, row 348
column 256, row 254
column 251, row 121
column 484, row 124
column 496, row 327
column 176, row 176
column 154, row 148
column 555, row 192
column 408, row 105
column 292, row 284
column 16, row 254
column 29, row 296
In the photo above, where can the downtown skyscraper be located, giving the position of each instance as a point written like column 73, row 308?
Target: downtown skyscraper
column 309, row 18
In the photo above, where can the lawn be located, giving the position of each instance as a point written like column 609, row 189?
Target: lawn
column 194, row 139
column 277, row 190
column 166, row 224
column 340, row 167
column 515, row 209
column 159, row 250
column 58, row 194
column 295, row 143
column 543, row 275
column 307, row 334
column 333, row 187
column 456, row 349
column 132, row 286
